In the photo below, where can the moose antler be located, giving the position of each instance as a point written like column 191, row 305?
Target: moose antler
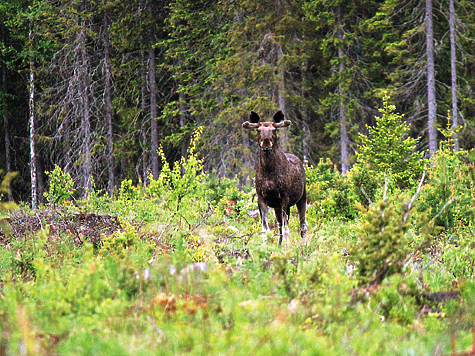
column 284, row 123
column 248, row 125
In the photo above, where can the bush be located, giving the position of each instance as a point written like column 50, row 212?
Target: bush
column 364, row 183
column 127, row 191
column 60, row 186
column 330, row 191
column 384, row 244
column 449, row 190
column 184, row 179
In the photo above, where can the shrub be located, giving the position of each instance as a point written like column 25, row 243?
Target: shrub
column 127, row 191
column 60, row 186
column 184, row 179
column 387, row 149
column 384, row 244
column 364, row 183
column 232, row 200
column 330, row 191
column 449, row 190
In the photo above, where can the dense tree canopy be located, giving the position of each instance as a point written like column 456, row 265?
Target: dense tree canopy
column 112, row 81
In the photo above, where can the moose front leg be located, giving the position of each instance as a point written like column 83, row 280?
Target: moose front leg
column 263, row 211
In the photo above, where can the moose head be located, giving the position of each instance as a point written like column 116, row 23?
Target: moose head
column 267, row 130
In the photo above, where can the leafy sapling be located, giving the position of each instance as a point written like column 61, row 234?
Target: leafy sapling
column 61, row 186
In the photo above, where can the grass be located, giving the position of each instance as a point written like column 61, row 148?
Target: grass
column 140, row 293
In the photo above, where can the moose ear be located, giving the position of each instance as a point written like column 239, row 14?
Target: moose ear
column 254, row 117
column 278, row 116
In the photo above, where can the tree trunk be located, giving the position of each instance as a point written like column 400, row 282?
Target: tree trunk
column 453, row 74
column 431, row 100
column 344, row 142
column 182, row 107
column 108, row 102
column 153, row 97
column 86, row 118
column 6, row 126
column 40, row 184
column 143, row 107
column 284, row 136
column 34, row 193
column 306, row 136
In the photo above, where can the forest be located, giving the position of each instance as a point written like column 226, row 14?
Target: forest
column 96, row 87
column 128, row 217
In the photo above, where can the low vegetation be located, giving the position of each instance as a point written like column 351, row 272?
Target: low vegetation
column 179, row 266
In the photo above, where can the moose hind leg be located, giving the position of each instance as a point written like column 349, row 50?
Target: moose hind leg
column 278, row 217
column 302, row 209
column 283, row 221
column 285, row 224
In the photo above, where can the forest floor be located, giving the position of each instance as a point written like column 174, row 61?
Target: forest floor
column 205, row 282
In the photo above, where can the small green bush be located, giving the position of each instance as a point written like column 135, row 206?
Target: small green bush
column 61, row 186
column 185, row 179
column 364, row 183
column 127, row 191
column 329, row 191
column 450, row 187
column 384, row 244
column 397, row 299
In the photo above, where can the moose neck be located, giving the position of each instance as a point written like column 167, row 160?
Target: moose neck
column 271, row 161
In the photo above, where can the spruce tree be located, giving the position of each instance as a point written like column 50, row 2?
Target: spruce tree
column 388, row 149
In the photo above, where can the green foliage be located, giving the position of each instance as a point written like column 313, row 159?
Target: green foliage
column 387, row 149
column 60, row 186
column 459, row 254
column 330, row 191
column 227, row 188
column 319, row 179
column 141, row 293
column 127, row 191
column 184, row 180
column 6, row 206
column 229, row 198
column 120, row 242
column 384, row 243
column 365, row 183
column 397, row 298
column 449, row 189
column 197, row 249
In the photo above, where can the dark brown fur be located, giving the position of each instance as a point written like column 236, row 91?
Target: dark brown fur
column 280, row 177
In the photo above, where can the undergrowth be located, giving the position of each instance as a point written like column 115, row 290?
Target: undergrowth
column 188, row 273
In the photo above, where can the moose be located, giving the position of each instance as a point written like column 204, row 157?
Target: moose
column 280, row 177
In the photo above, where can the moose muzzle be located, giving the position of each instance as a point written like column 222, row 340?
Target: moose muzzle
column 266, row 144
